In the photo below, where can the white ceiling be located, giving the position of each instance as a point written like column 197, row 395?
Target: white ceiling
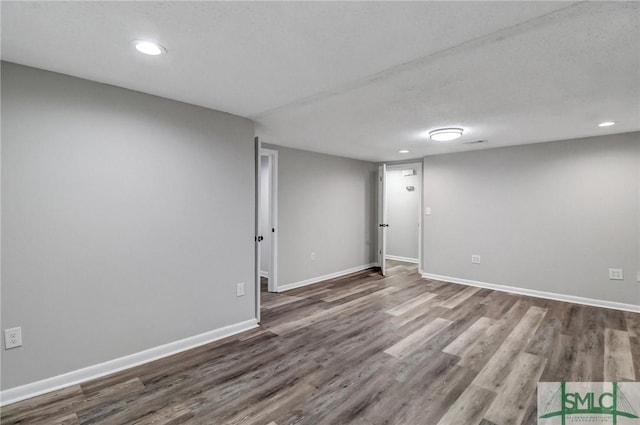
column 358, row 79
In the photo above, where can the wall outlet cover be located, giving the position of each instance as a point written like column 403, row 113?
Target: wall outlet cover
column 12, row 338
column 239, row 289
column 475, row 259
column 616, row 274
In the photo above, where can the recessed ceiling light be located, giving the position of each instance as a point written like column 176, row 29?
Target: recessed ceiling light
column 149, row 47
column 403, row 151
column 606, row 124
column 445, row 134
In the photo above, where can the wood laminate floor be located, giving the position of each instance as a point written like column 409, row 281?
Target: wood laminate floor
column 365, row 350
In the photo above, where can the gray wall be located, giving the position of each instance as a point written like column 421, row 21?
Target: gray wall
column 326, row 205
column 403, row 209
column 551, row 217
column 127, row 220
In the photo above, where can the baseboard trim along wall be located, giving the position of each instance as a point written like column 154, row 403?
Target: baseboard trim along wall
column 404, row 259
column 538, row 294
column 75, row 377
column 289, row 286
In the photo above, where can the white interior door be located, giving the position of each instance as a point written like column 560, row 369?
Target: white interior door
column 382, row 217
column 265, row 216
column 258, row 235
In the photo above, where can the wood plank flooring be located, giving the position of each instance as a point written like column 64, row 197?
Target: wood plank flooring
column 365, row 350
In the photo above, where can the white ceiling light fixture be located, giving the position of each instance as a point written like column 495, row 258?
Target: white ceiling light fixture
column 445, row 134
column 149, row 47
column 403, row 151
column 606, row 124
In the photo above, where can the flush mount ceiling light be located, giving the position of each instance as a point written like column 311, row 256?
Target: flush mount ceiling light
column 403, row 151
column 606, row 124
column 445, row 134
column 149, row 47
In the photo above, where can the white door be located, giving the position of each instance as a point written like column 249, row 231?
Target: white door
column 382, row 217
column 265, row 216
column 258, row 234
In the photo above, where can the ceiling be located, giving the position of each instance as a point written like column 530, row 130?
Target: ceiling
column 358, row 79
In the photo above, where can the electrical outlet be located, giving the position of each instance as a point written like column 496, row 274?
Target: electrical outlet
column 475, row 259
column 313, row 256
column 12, row 338
column 616, row 274
column 427, row 211
column 239, row 289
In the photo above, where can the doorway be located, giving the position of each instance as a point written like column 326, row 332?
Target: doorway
column 267, row 212
column 400, row 206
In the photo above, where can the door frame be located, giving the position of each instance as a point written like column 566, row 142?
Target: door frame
column 419, row 169
column 272, row 154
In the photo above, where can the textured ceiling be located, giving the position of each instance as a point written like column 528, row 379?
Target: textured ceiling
column 358, row 79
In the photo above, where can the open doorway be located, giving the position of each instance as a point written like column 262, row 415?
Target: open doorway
column 402, row 192
column 267, row 212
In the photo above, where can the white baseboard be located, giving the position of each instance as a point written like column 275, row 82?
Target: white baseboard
column 75, row 377
column 404, row 259
column 288, row 286
column 264, row 274
column 538, row 294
